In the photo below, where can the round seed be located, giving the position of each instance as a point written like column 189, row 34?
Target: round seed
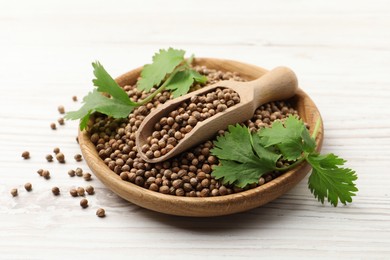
column 73, row 192
column 26, row 155
column 80, row 191
column 90, row 190
column 14, row 192
column 56, row 150
column 61, row 121
column 84, row 203
column 53, row 126
column 101, row 213
column 55, row 191
column 28, row 186
column 78, row 157
column 61, row 109
column 71, row 173
column 87, row 176
column 49, row 158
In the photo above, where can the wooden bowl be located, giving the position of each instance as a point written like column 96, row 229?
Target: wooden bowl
column 209, row 206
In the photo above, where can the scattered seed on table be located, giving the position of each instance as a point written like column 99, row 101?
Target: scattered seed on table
column 78, row 157
column 28, row 186
column 73, row 192
column 53, row 126
column 46, row 174
column 60, row 157
column 87, row 176
column 56, row 150
column 71, row 173
column 49, row 158
column 90, row 190
column 74, row 98
column 14, row 192
column 26, row 155
column 61, row 121
column 84, row 203
column 40, row 171
column 80, row 191
column 56, row 191
column 61, row 109
column 101, row 213
column 79, row 172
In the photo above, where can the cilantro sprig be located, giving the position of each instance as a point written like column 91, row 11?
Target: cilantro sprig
column 244, row 157
column 169, row 71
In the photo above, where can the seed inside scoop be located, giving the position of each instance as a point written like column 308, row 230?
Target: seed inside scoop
column 168, row 132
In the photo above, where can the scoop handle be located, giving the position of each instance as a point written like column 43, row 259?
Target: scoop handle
column 278, row 84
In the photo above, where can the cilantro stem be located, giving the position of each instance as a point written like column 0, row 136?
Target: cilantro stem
column 162, row 87
column 291, row 166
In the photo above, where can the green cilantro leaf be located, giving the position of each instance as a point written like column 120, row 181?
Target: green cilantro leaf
column 182, row 81
column 164, row 63
column 240, row 174
column 241, row 164
column 96, row 102
column 327, row 180
column 105, row 83
column 244, row 157
column 288, row 137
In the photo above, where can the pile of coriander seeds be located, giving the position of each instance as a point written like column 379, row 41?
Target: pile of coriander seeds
column 188, row 174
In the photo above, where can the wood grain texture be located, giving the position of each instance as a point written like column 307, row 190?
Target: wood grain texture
column 339, row 51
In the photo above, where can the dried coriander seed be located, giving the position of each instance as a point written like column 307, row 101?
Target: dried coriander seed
column 87, row 176
column 53, row 126
column 55, row 191
column 60, row 157
column 74, row 98
column 84, row 203
column 61, row 109
column 79, row 172
column 28, row 186
column 101, row 213
column 61, row 121
column 80, row 191
column 56, row 150
column 40, row 171
column 90, row 190
column 73, row 192
column 46, row 174
column 71, row 173
column 78, row 157
column 14, row 192
column 49, row 158
column 26, row 155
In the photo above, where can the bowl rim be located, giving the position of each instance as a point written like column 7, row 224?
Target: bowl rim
column 206, row 206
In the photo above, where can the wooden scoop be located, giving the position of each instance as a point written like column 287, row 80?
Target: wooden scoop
column 278, row 84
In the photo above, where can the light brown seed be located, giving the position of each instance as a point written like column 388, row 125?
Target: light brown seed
column 40, row 171
column 101, row 213
column 74, row 98
column 71, row 173
column 80, row 191
column 79, row 172
column 61, row 121
column 46, row 174
column 87, row 176
column 78, row 157
column 90, row 190
column 84, row 203
column 14, row 192
column 61, row 109
column 28, row 186
column 26, row 155
column 60, row 157
column 56, row 150
column 49, row 158
column 73, row 192
column 53, row 126
column 55, row 191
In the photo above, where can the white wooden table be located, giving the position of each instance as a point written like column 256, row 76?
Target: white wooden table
column 340, row 51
